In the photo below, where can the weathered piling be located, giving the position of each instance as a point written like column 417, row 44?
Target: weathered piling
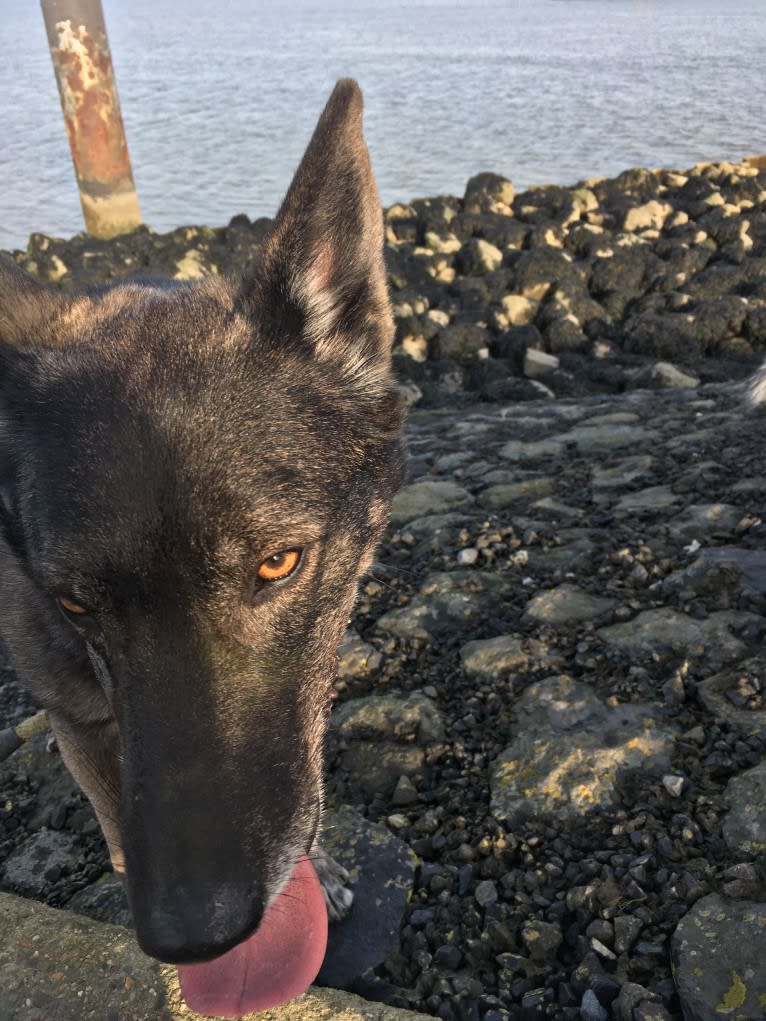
column 83, row 66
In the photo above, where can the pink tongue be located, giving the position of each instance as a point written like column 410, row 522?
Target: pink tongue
column 276, row 964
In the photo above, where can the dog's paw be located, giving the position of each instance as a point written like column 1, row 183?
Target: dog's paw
column 336, row 884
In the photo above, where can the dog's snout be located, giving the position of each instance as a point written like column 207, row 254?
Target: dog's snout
column 187, row 933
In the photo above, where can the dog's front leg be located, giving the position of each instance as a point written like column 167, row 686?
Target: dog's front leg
column 335, row 882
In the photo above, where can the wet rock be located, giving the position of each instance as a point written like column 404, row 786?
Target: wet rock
column 746, row 677
column 382, row 869
column 595, row 439
column 444, row 602
column 427, row 497
column 744, row 826
column 701, row 520
column 539, row 363
column 622, row 473
column 654, row 498
column 666, row 629
column 717, row 949
column 568, row 749
column 357, row 658
column 42, row 859
column 382, row 738
column 567, row 604
column 650, row 215
column 488, row 193
column 508, row 494
column 714, row 567
column 532, row 450
column 666, row 375
column 493, row 656
column 105, row 901
column 389, row 717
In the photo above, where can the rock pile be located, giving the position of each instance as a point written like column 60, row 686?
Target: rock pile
column 653, row 278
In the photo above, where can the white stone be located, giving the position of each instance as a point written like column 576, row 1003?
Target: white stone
column 539, row 363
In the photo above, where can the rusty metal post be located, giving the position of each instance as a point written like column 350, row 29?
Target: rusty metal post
column 83, row 66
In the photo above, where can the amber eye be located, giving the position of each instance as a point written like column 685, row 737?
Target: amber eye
column 279, row 566
column 70, row 606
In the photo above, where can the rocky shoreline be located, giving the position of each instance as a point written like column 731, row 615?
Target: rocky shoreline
column 552, row 690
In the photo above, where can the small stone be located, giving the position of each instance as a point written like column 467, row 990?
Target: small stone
column 518, row 310
column 667, row 375
column 602, row 950
column 651, row 215
column 542, row 939
column 486, row 893
column 626, row 932
column 467, row 557
column 482, row 257
column 591, row 1009
column 674, row 785
column 448, row 956
column 539, row 363
column 397, row 821
column 405, row 792
column 193, row 266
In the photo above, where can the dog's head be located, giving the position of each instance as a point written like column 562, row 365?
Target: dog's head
column 192, row 479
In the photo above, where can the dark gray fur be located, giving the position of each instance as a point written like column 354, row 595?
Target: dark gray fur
column 157, row 442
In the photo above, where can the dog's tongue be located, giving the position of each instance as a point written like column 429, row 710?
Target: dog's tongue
column 276, row 964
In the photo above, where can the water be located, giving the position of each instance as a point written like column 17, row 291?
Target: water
column 219, row 99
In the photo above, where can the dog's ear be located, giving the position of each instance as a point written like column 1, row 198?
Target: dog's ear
column 25, row 304
column 35, row 317
column 319, row 278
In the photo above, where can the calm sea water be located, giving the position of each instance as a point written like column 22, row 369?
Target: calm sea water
column 219, row 98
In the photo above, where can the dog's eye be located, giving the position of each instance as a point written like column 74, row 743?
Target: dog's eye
column 69, row 606
column 280, row 565
column 79, row 617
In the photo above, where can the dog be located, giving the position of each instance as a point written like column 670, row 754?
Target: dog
column 193, row 478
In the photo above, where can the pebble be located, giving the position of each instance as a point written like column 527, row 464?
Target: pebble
column 674, row 785
column 591, row 1009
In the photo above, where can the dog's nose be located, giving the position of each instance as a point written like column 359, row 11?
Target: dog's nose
column 189, row 933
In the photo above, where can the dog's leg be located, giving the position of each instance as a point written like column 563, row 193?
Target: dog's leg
column 335, row 882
